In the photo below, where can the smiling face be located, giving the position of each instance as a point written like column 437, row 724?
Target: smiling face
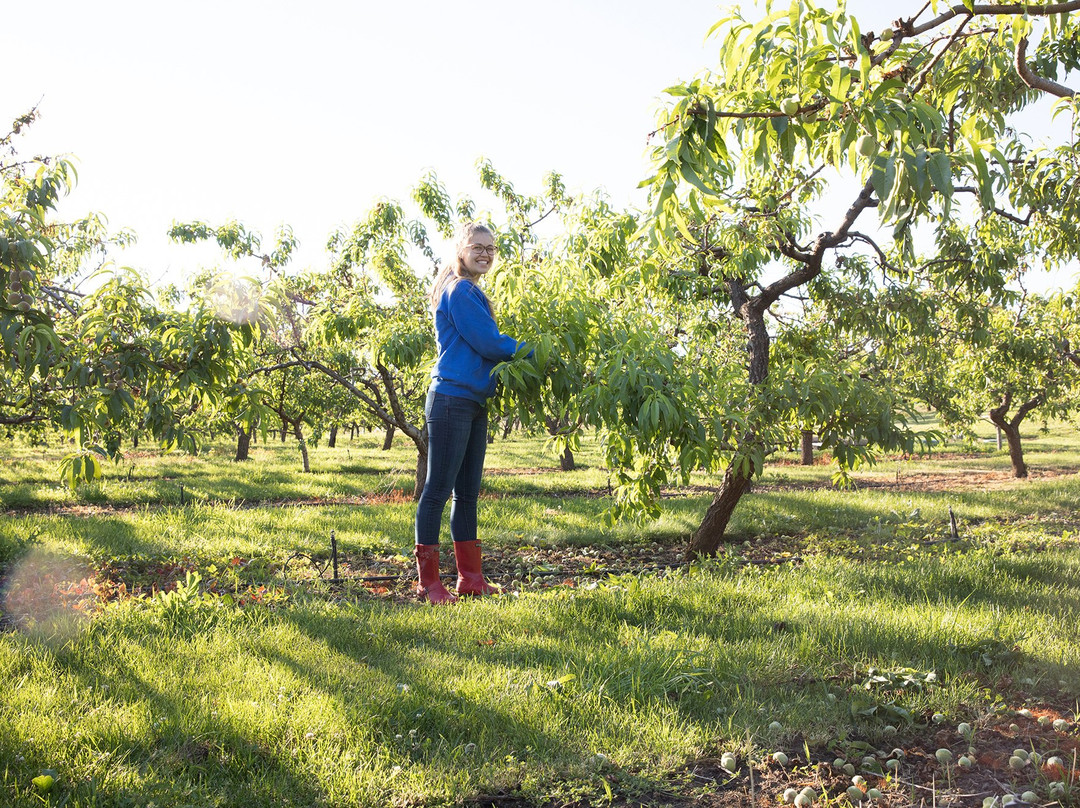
column 478, row 252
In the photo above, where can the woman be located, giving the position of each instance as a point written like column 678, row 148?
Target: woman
column 468, row 346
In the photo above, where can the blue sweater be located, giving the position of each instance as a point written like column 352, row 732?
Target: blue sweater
column 468, row 344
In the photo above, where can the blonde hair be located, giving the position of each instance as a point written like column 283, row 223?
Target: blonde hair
column 455, row 269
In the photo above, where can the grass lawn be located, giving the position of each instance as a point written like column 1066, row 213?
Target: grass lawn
column 153, row 652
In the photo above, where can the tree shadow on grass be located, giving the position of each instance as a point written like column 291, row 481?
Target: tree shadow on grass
column 379, row 694
column 825, row 509
column 409, row 665
column 186, row 755
column 673, row 651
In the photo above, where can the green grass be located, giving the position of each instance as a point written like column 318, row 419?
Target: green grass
column 553, row 695
column 359, row 468
column 368, row 703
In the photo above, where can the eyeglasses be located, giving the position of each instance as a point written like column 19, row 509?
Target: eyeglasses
column 480, row 249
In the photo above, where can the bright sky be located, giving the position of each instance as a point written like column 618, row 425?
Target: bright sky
column 276, row 112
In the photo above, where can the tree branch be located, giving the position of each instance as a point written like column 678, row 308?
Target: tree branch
column 16, row 420
column 801, row 184
column 59, row 296
column 1025, row 408
column 1069, row 353
column 812, row 261
column 883, row 260
column 296, row 363
column 374, row 405
column 991, row 9
column 1012, row 217
column 1027, row 75
column 736, row 290
column 551, row 210
column 395, row 405
column 925, row 72
column 310, row 364
column 997, row 414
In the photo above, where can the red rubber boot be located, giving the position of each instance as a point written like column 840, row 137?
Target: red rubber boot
column 470, row 579
column 430, row 587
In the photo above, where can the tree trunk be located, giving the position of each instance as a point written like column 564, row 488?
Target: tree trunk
column 566, row 460
column 1011, row 429
column 1016, row 451
column 135, row 441
column 555, row 426
column 284, row 431
column 388, row 440
column 243, row 444
column 808, row 447
column 710, row 533
column 332, row 442
column 303, row 446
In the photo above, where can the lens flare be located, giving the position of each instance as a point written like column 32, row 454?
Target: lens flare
column 236, row 299
column 48, row 596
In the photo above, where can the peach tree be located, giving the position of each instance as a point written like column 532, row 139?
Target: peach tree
column 1015, row 365
column 363, row 325
column 974, row 359
column 914, row 128
column 105, row 363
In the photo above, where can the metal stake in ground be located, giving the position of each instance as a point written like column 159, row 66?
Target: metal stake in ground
column 953, row 532
column 333, row 554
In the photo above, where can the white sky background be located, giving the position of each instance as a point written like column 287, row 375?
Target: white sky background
column 308, row 113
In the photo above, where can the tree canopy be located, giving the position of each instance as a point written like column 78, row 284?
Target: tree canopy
column 744, row 309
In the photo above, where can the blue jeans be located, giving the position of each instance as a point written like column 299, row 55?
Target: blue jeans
column 457, row 443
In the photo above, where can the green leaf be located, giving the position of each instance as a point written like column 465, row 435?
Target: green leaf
column 986, row 189
column 681, row 224
column 883, row 176
column 688, row 174
column 941, row 173
column 841, row 83
column 91, row 468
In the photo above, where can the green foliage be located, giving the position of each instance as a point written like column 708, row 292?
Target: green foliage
column 111, row 364
column 237, row 241
column 177, row 608
column 84, row 465
column 355, row 341
column 743, row 162
column 653, row 331
column 30, row 190
column 969, row 354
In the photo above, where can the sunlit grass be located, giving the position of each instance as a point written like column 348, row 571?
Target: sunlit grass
column 366, row 703
column 552, row 695
column 518, row 465
column 355, row 468
column 529, row 513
